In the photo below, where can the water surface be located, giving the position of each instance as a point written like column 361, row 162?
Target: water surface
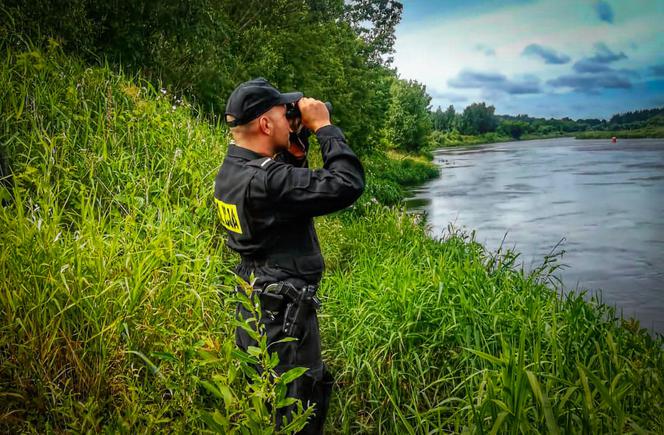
column 604, row 201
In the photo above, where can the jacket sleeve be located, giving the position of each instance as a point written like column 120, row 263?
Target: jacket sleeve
column 305, row 192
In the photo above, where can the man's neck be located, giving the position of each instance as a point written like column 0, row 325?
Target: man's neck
column 261, row 149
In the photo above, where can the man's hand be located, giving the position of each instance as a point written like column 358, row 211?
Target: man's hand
column 314, row 113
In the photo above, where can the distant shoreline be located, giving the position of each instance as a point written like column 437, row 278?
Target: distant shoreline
column 492, row 138
column 640, row 133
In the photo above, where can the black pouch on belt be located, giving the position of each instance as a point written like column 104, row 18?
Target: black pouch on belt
column 271, row 302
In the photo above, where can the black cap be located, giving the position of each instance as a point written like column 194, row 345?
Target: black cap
column 253, row 98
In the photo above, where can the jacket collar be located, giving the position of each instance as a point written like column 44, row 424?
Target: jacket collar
column 237, row 151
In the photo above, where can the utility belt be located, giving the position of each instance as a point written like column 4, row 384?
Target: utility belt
column 297, row 302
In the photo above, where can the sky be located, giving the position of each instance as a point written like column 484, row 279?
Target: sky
column 545, row 58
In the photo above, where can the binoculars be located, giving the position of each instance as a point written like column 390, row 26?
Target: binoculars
column 293, row 112
column 299, row 135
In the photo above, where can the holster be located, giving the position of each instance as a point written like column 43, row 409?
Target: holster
column 299, row 302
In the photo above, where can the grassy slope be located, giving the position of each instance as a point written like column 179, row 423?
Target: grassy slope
column 111, row 248
column 113, row 261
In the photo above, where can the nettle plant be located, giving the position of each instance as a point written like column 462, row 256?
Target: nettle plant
column 251, row 389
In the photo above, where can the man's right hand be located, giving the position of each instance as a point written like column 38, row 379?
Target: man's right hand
column 314, row 113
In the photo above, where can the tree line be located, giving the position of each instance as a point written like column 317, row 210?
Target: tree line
column 480, row 118
column 333, row 50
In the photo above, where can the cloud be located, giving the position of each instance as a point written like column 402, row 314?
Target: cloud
column 488, row 51
column 472, row 79
column 604, row 54
column 599, row 62
column 588, row 66
column 658, row 70
column 491, row 82
column 549, row 55
column 604, row 11
column 592, row 83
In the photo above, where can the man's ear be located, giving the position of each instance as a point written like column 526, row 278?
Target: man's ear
column 265, row 125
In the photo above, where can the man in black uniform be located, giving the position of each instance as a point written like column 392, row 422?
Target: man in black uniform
column 267, row 198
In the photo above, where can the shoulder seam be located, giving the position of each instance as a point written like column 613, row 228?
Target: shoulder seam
column 262, row 163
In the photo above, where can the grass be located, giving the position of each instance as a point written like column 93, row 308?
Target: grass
column 117, row 304
column 428, row 335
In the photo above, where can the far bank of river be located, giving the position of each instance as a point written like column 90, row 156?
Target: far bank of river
column 604, row 201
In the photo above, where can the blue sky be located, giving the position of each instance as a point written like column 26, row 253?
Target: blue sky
column 550, row 58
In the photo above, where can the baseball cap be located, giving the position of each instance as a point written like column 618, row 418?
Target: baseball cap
column 253, row 98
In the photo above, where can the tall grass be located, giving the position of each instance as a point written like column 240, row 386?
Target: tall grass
column 117, row 306
column 112, row 264
column 428, row 335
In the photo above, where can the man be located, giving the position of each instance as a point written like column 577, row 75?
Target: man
column 267, row 198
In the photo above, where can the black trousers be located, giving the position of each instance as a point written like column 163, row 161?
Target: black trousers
column 312, row 388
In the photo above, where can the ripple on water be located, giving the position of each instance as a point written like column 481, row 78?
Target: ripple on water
column 646, row 165
column 652, row 178
column 520, row 186
column 608, row 183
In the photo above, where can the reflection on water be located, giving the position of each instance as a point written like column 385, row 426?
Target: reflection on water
column 605, row 200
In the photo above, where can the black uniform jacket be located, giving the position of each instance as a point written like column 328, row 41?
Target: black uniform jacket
column 267, row 207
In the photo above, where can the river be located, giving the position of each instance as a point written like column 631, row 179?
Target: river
column 604, row 200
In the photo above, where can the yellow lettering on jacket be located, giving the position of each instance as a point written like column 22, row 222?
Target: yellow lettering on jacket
column 229, row 217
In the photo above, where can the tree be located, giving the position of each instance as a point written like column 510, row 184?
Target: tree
column 374, row 21
column 478, row 118
column 408, row 123
column 514, row 129
column 328, row 49
column 444, row 121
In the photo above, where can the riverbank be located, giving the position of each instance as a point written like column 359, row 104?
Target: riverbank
column 639, row 133
column 455, row 139
column 117, row 290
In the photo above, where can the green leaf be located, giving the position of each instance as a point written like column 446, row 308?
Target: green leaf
column 165, row 356
column 229, row 398
column 208, row 357
column 551, row 423
column 286, row 402
column 243, row 357
column 215, row 422
column 253, row 334
column 485, row 356
column 274, row 360
column 604, row 392
column 280, row 391
column 212, row 389
column 283, row 340
column 499, row 422
column 293, row 374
